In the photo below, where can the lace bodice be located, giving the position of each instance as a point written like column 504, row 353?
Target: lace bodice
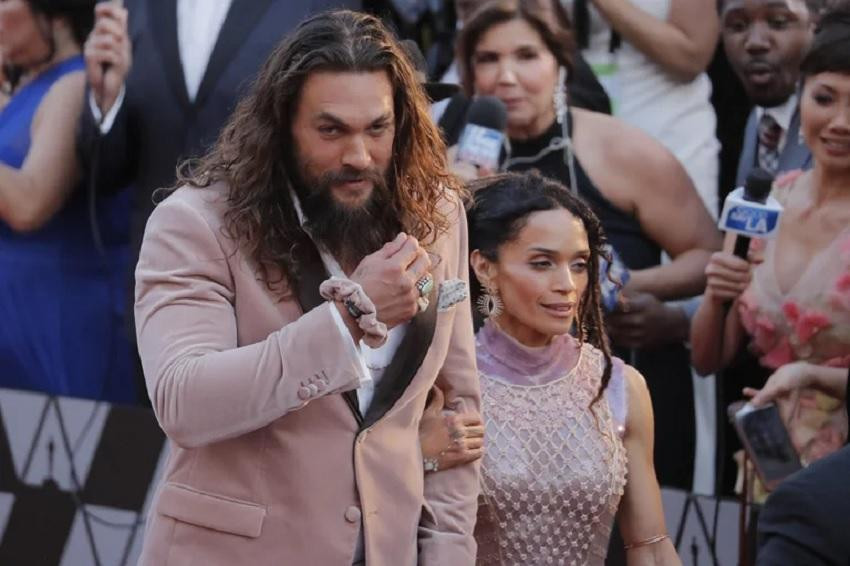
column 554, row 470
column 810, row 321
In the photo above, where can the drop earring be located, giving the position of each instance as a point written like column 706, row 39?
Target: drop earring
column 559, row 97
column 489, row 303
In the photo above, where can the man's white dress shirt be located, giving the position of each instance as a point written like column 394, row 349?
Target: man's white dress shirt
column 782, row 114
column 198, row 25
column 373, row 361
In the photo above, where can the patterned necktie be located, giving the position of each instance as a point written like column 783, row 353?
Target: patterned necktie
column 769, row 135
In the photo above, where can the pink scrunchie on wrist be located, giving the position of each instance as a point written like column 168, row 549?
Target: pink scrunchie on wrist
column 337, row 289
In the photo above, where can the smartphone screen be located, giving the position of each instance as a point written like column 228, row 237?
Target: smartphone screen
column 767, row 443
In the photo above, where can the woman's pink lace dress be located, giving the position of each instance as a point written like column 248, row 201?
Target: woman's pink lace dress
column 554, row 470
column 810, row 322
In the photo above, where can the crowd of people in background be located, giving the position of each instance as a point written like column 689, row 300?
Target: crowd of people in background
column 628, row 123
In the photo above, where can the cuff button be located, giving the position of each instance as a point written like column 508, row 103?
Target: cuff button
column 304, row 393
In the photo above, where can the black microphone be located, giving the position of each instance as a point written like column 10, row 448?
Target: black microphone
column 747, row 212
column 483, row 135
column 104, row 67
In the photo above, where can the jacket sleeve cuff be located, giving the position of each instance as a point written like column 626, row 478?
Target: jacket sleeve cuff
column 354, row 349
column 105, row 122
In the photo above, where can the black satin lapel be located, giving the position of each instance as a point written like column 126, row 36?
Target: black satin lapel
column 163, row 24
column 312, row 274
column 241, row 19
column 406, row 362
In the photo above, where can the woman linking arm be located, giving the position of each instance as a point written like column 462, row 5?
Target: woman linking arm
column 569, row 428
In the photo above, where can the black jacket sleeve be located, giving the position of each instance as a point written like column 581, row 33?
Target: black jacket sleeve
column 111, row 157
column 805, row 520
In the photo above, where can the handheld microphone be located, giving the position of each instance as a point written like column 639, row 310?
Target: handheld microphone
column 483, row 136
column 750, row 212
column 105, row 66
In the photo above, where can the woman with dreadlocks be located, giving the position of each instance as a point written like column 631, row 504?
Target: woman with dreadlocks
column 568, row 427
column 58, row 301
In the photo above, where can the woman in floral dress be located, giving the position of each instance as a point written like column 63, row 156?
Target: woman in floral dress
column 794, row 305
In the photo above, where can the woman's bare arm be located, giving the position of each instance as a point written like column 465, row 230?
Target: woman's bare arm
column 642, row 178
column 31, row 195
column 716, row 329
column 683, row 44
column 641, row 515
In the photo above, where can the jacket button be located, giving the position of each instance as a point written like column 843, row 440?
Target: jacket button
column 353, row 514
column 314, row 389
column 304, row 393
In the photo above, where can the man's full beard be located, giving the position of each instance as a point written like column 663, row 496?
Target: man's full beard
column 350, row 233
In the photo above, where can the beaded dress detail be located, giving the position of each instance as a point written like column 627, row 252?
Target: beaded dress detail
column 554, row 469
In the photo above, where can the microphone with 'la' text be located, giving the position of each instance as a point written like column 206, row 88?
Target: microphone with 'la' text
column 750, row 211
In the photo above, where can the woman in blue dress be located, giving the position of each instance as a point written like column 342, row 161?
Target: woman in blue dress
column 59, row 293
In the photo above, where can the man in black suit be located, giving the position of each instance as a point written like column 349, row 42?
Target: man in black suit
column 166, row 98
column 765, row 41
column 164, row 76
column 805, row 520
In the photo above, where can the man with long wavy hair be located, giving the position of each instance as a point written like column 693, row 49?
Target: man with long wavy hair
column 297, row 297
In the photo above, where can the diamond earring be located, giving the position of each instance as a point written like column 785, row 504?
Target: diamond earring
column 559, row 97
column 489, row 304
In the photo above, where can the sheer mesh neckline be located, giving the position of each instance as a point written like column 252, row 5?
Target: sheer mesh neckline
column 503, row 358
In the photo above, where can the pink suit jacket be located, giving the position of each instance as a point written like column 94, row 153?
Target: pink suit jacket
column 269, row 463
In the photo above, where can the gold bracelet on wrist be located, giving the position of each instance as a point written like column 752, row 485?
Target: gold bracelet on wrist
column 646, row 542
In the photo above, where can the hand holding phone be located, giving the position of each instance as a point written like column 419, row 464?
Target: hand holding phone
column 767, row 443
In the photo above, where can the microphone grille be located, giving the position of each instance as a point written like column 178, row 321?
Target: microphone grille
column 758, row 185
column 489, row 112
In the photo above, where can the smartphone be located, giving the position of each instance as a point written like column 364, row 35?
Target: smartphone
column 767, row 443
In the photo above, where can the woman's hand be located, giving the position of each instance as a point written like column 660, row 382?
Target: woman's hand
column 463, row 170
column 727, row 276
column 788, row 380
column 450, row 439
column 814, row 424
column 785, row 382
column 642, row 321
